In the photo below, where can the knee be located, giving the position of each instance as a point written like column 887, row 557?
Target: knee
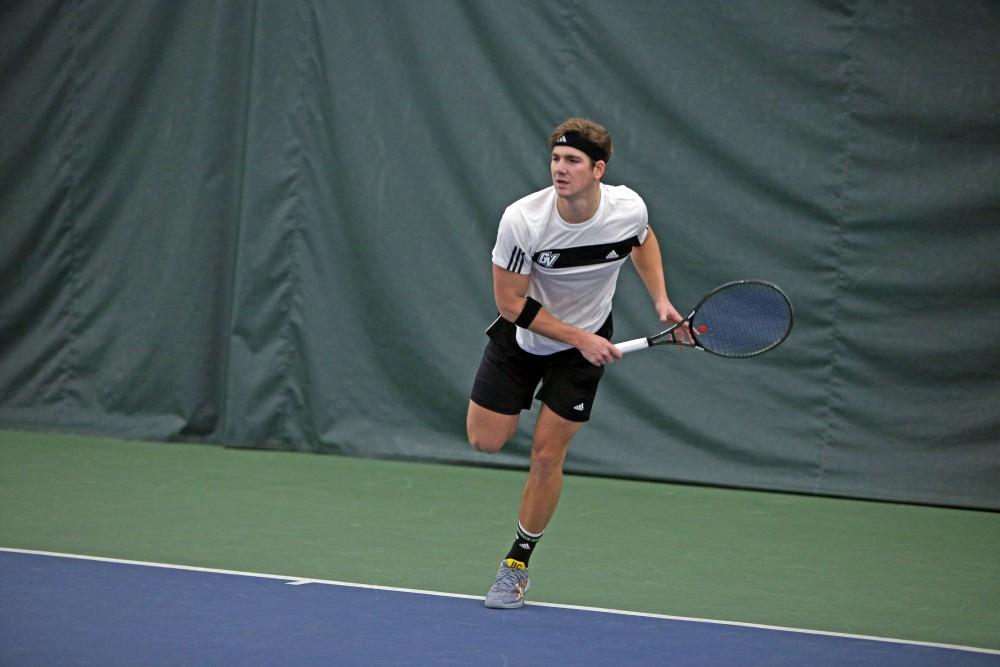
column 548, row 459
column 488, row 443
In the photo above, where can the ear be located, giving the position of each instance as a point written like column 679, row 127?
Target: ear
column 600, row 166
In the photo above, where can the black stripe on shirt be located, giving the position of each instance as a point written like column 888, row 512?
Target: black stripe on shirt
column 585, row 255
column 516, row 261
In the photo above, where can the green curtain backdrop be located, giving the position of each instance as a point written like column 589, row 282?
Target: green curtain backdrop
column 268, row 224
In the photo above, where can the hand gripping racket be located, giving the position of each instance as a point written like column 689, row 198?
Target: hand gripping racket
column 739, row 319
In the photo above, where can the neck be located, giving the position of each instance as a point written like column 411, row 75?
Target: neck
column 580, row 207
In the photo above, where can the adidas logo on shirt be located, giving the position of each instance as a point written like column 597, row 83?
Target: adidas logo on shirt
column 611, row 255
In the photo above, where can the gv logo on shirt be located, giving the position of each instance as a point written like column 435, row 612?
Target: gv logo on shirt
column 547, row 259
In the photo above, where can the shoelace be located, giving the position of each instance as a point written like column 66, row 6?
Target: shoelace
column 510, row 580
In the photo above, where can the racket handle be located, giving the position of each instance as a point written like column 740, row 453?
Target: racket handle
column 633, row 345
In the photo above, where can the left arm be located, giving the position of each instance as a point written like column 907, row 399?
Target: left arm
column 649, row 265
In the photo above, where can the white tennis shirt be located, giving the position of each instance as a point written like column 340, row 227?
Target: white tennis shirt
column 573, row 266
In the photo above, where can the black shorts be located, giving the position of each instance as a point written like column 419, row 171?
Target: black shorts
column 508, row 375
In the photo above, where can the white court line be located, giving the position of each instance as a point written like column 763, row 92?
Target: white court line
column 299, row 581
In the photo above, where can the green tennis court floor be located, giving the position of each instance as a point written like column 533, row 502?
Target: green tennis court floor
column 907, row 572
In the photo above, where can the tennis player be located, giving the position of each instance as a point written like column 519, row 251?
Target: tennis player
column 555, row 268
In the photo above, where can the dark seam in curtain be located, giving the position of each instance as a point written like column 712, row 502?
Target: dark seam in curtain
column 71, row 183
column 841, row 219
column 299, row 120
column 240, row 226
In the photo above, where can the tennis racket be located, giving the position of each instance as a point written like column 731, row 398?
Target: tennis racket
column 739, row 319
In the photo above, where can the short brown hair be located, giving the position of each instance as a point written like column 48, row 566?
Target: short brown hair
column 593, row 132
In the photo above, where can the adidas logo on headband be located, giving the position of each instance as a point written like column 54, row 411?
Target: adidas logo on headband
column 581, row 143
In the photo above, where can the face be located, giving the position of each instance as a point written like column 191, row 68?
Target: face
column 573, row 172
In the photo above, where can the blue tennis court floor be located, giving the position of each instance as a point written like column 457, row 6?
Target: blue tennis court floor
column 61, row 609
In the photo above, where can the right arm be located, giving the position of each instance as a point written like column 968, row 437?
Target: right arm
column 510, row 291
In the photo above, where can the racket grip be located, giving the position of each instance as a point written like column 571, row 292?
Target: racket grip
column 633, row 345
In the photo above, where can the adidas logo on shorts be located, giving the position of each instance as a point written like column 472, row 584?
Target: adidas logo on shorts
column 579, row 407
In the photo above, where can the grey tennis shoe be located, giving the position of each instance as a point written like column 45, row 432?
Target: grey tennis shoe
column 512, row 583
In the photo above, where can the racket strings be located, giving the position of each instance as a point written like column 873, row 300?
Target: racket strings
column 742, row 320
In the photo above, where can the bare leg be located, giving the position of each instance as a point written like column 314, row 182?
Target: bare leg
column 489, row 431
column 544, row 483
column 538, row 503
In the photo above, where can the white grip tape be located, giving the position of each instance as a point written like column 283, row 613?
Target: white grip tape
column 632, row 345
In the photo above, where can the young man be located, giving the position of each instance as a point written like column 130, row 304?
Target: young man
column 555, row 268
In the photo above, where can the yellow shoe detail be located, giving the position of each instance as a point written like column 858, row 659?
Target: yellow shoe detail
column 515, row 564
